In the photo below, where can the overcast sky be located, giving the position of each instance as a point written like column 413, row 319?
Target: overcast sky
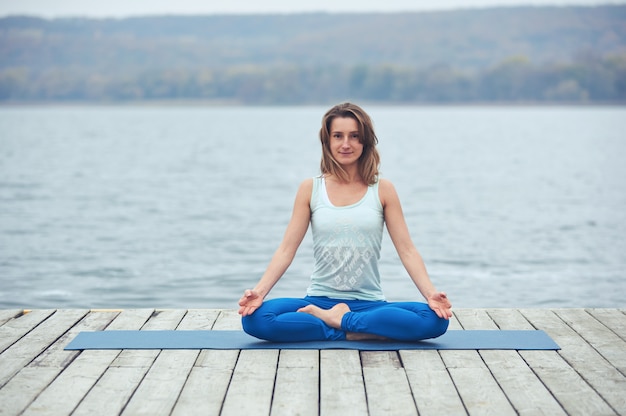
column 124, row 8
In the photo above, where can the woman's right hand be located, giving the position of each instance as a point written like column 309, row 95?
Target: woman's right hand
column 249, row 302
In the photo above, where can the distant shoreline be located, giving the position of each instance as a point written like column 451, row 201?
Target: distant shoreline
column 220, row 103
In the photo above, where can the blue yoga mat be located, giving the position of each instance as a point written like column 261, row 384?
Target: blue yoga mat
column 239, row 340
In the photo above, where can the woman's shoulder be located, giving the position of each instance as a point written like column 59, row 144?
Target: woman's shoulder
column 385, row 185
column 386, row 191
column 307, row 184
column 306, row 187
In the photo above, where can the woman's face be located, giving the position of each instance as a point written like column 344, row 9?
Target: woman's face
column 345, row 141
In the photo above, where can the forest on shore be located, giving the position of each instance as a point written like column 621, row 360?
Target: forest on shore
column 497, row 55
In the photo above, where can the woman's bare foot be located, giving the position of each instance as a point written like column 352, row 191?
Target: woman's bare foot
column 331, row 317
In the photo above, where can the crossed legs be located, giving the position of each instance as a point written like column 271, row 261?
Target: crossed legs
column 315, row 318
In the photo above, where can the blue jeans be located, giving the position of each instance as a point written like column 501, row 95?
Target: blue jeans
column 277, row 320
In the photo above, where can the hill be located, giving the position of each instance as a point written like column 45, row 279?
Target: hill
column 502, row 54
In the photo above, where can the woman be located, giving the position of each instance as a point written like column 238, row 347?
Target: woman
column 347, row 206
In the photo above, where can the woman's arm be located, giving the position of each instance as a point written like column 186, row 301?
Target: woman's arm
column 410, row 257
column 296, row 230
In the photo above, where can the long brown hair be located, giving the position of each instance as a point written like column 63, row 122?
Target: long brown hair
column 369, row 160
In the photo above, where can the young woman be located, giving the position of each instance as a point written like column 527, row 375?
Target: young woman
column 347, row 206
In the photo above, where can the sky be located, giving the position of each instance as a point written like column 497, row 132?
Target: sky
column 126, row 8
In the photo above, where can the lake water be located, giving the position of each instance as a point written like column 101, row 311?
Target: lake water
column 183, row 206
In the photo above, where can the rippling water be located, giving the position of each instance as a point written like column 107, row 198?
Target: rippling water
column 183, row 206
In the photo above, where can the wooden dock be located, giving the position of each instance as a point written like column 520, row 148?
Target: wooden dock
column 37, row 377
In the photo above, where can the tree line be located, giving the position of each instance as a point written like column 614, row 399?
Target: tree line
column 521, row 54
column 586, row 80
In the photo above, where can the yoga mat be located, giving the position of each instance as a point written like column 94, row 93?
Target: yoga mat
column 239, row 340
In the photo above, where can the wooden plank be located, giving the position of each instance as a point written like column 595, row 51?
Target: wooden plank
column 109, row 395
column 614, row 319
column 565, row 384
column 592, row 343
column 386, row 384
column 342, row 388
column 199, row 319
column 210, row 376
column 509, row 319
column 475, row 319
column 297, row 383
column 296, row 389
column 16, row 328
column 588, row 397
column 159, row 390
column 479, row 391
column 206, row 387
column 252, row 385
column 26, row 385
column 8, row 314
column 606, row 356
column 228, row 319
column 69, row 388
column 22, row 352
column 56, row 356
column 524, row 390
column 454, row 323
column 601, row 338
column 433, row 389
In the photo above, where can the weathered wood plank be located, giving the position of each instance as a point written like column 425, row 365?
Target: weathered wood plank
column 342, row 388
column 29, row 382
column 509, row 319
column 601, row 338
column 69, row 388
column 433, row 389
column 479, row 391
column 109, row 395
column 567, row 387
column 8, row 314
column 159, row 390
column 210, row 376
column 22, row 352
column 525, row 391
column 522, row 387
column 53, row 381
column 228, row 319
column 454, row 323
column 297, row 383
column 386, row 384
column 56, row 356
column 577, row 397
column 16, row 328
column 199, row 319
column 614, row 319
column 252, row 385
column 205, row 389
column 475, row 319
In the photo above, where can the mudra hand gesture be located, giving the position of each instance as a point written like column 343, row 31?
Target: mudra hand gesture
column 440, row 304
column 249, row 302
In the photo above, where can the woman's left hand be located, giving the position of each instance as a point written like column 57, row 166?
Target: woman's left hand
column 439, row 303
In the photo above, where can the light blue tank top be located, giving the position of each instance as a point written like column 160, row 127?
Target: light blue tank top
column 346, row 245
